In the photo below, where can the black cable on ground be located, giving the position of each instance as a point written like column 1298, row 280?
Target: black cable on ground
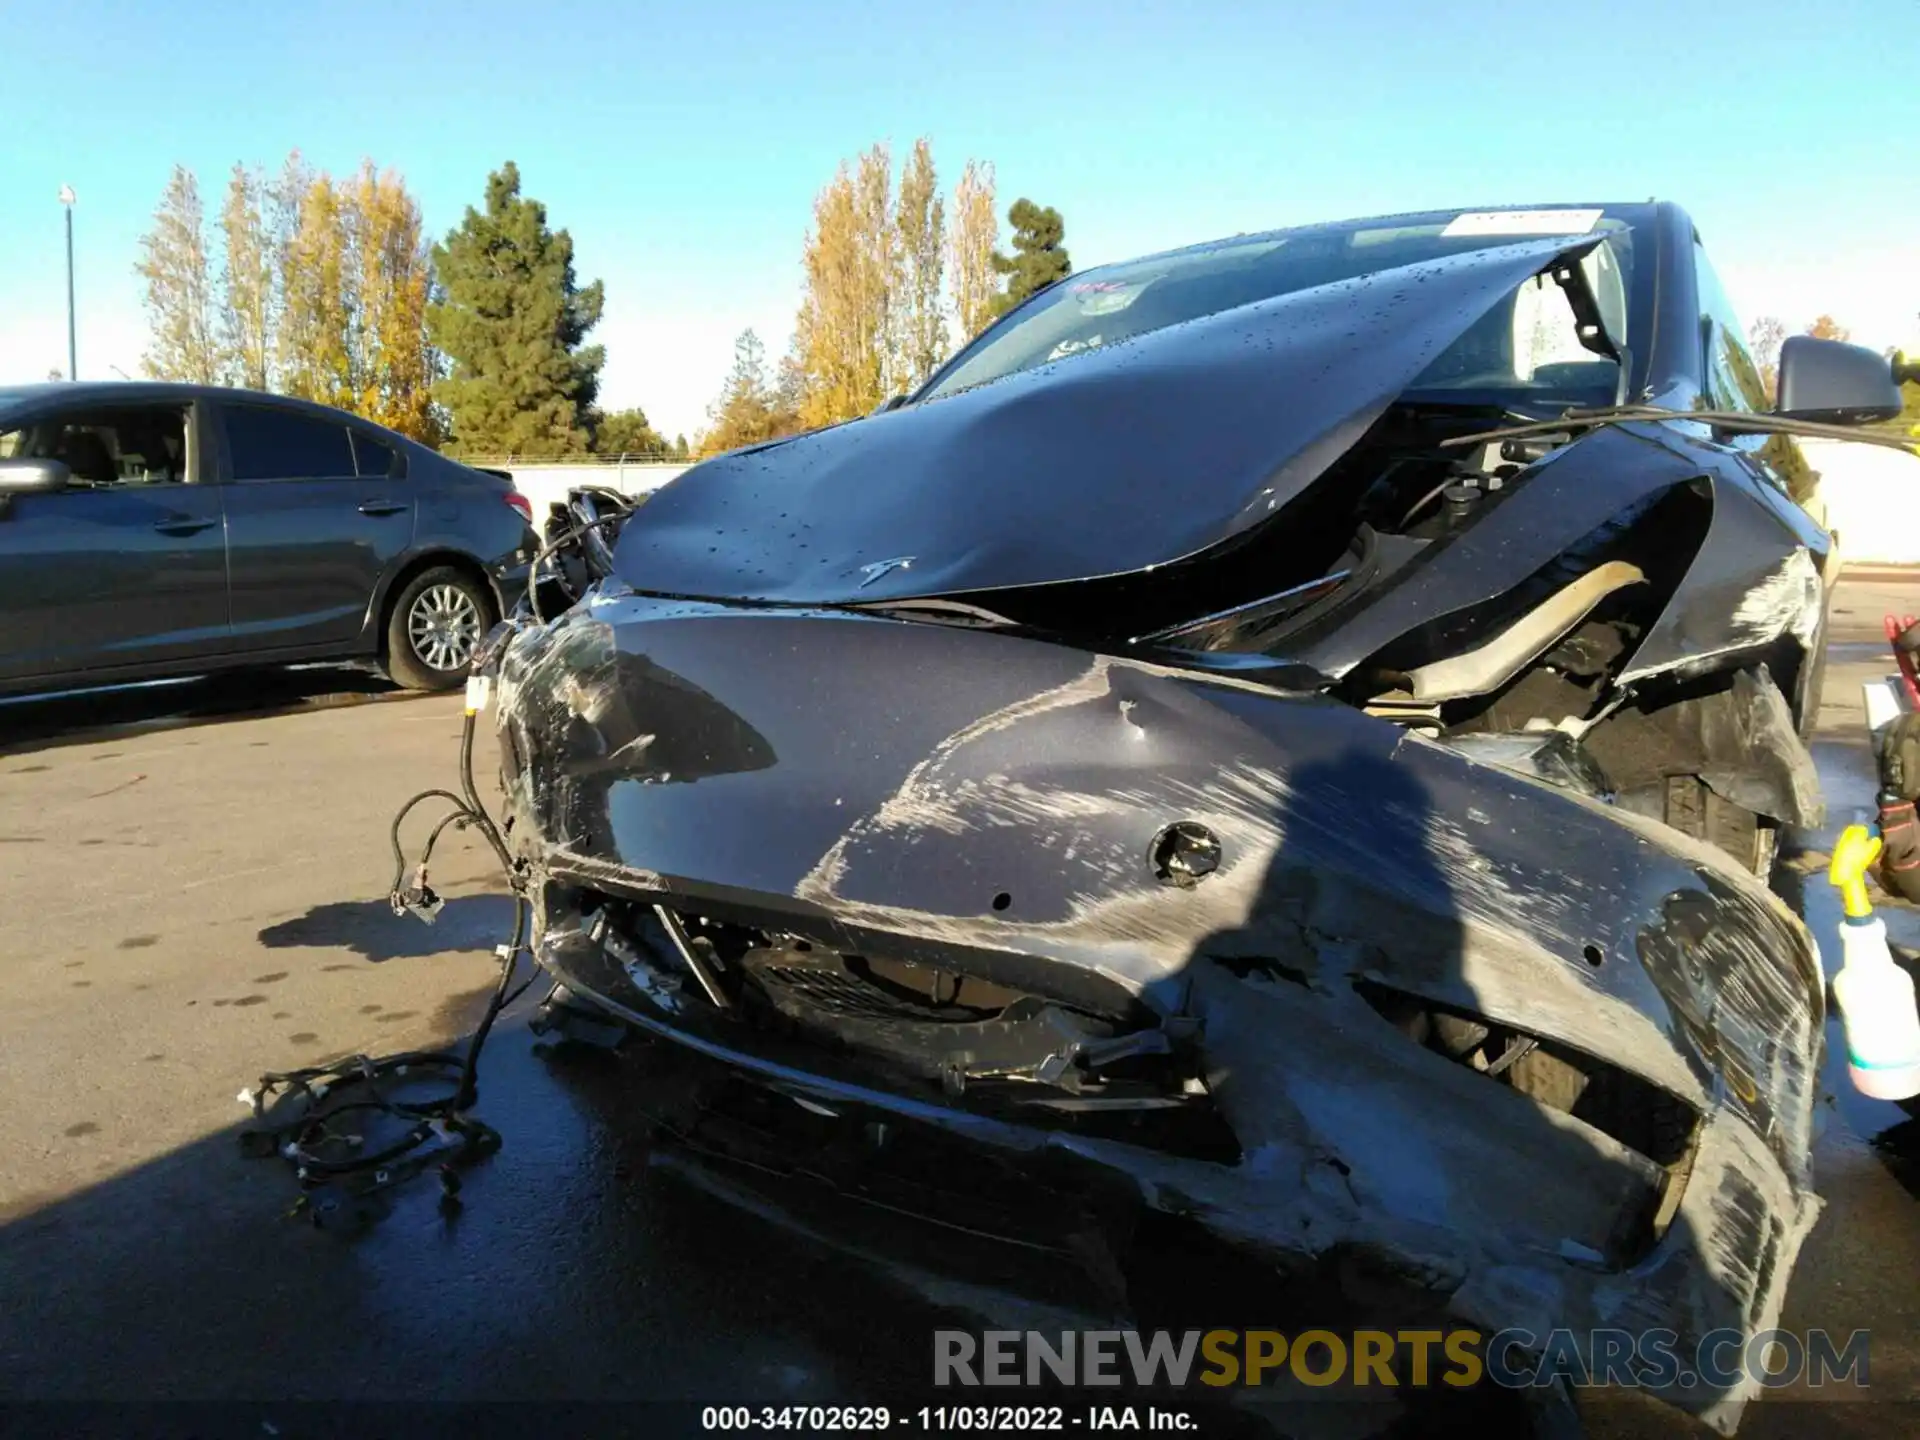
column 314, row 1117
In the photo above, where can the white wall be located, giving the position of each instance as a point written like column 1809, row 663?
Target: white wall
column 1871, row 496
column 547, row 485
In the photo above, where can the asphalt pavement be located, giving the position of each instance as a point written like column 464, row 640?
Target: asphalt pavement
column 194, row 881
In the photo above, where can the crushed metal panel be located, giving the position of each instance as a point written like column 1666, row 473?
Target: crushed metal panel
column 997, row 812
column 1112, row 461
column 1756, row 578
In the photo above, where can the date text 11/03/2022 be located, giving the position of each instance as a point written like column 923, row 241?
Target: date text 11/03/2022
column 991, row 1419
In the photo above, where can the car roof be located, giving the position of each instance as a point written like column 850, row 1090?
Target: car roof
column 17, row 398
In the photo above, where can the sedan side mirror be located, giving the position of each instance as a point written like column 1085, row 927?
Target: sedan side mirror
column 30, row 477
column 1835, row 383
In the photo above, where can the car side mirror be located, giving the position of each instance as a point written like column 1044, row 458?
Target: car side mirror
column 33, row 477
column 1835, row 383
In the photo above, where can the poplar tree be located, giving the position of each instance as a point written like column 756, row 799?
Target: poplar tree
column 974, row 237
column 842, row 337
column 183, row 341
column 393, row 365
column 248, row 305
column 315, row 343
column 920, row 341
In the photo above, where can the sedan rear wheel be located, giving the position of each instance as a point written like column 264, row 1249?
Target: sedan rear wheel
column 435, row 627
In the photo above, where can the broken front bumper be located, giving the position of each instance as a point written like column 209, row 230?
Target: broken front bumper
column 1212, row 942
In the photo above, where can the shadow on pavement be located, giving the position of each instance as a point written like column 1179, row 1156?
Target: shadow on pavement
column 572, row 1274
column 370, row 928
column 1898, row 1147
column 32, row 723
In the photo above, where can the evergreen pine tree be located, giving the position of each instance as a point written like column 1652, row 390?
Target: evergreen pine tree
column 1039, row 258
column 512, row 320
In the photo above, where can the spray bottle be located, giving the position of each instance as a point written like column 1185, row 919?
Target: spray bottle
column 1875, row 995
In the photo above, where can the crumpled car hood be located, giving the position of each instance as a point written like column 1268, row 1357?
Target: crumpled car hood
column 1112, row 461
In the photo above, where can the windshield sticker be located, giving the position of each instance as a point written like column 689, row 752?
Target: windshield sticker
column 1107, row 297
column 1523, row 222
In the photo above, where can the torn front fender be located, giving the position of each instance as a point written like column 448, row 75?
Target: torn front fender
column 1742, row 741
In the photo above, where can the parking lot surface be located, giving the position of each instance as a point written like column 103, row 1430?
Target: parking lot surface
column 194, row 890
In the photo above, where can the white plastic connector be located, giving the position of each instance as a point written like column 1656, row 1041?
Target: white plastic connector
column 479, row 691
column 245, row 1097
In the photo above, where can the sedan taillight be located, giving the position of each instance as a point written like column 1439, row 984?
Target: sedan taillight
column 520, row 503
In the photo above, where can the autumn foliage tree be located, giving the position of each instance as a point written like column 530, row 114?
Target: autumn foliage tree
column 1828, row 328
column 918, row 311
column 1764, row 338
column 513, row 322
column 973, row 237
column 392, row 366
column 320, row 291
column 752, row 408
column 877, row 316
column 316, row 325
column 249, row 296
column 183, row 343
column 843, row 333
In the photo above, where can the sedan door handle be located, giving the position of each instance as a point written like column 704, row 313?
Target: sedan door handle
column 382, row 507
column 184, row 525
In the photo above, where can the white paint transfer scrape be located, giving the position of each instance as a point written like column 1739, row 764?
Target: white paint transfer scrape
column 1789, row 601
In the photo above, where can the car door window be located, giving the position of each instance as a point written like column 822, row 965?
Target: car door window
column 1732, row 381
column 264, row 444
column 375, row 459
column 103, row 448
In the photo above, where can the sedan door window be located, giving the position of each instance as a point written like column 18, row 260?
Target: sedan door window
column 146, row 446
column 376, row 459
column 123, row 568
column 265, row 444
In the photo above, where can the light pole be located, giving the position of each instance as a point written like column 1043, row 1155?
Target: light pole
column 73, row 361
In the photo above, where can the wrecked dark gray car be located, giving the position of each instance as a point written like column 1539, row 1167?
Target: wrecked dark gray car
column 1180, row 757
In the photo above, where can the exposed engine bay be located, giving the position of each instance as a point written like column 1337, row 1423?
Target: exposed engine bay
column 1351, row 850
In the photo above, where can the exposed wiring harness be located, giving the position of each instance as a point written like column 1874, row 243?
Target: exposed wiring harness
column 552, row 548
column 319, row 1118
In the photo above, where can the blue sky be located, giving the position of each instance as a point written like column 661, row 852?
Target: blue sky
column 682, row 144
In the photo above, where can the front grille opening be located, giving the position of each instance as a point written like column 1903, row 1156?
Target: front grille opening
column 922, row 1030
column 1641, row 1117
